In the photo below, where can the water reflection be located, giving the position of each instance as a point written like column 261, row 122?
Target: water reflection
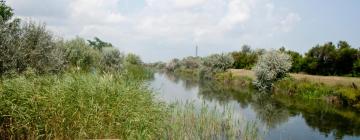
column 269, row 111
column 316, row 119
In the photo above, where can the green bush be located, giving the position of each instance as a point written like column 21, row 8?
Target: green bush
column 78, row 106
column 133, row 59
column 80, row 55
column 112, row 59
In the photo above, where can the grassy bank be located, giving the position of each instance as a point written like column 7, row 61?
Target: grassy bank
column 83, row 105
column 78, row 106
column 336, row 90
column 326, row 80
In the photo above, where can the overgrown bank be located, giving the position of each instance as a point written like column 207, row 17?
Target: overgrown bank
column 270, row 74
column 51, row 88
column 83, row 105
column 345, row 93
column 274, row 111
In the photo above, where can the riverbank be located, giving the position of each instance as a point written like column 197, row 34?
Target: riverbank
column 341, row 91
column 327, row 80
column 283, row 116
column 114, row 105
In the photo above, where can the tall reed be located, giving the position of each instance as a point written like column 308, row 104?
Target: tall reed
column 83, row 106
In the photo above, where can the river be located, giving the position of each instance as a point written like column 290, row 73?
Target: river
column 278, row 119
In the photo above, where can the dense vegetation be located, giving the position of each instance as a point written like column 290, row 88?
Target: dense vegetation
column 52, row 88
column 325, row 59
column 271, row 67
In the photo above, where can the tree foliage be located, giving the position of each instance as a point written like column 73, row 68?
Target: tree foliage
column 172, row 65
column 99, row 44
column 296, row 58
column 218, row 62
column 271, row 67
column 329, row 59
column 112, row 59
column 29, row 45
column 79, row 54
column 326, row 59
column 133, row 59
column 190, row 62
column 245, row 58
column 6, row 12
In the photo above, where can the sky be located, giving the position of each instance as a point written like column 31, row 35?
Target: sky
column 159, row 30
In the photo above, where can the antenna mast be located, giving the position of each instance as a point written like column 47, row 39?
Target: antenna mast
column 196, row 51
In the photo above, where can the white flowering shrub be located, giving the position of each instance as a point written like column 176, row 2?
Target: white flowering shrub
column 172, row 65
column 190, row 62
column 218, row 62
column 215, row 63
column 271, row 67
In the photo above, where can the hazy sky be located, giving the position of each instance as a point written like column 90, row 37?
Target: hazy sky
column 163, row 29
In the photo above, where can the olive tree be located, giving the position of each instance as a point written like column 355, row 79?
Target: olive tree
column 271, row 67
column 190, row 62
column 215, row 63
column 10, row 32
column 172, row 65
column 112, row 59
column 218, row 62
column 40, row 51
column 133, row 59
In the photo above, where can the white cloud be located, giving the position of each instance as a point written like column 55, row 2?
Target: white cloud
column 188, row 3
column 287, row 23
column 163, row 23
column 95, row 12
column 238, row 12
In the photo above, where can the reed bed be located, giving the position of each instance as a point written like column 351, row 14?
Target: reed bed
column 93, row 106
column 202, row 122
column 78, row 106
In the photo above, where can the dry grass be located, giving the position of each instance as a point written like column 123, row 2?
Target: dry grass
column 328, row 80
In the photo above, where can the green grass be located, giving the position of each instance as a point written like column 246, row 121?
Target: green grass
column 83, row 106
column 345, row 95
column 189, row 122
column 78, row 106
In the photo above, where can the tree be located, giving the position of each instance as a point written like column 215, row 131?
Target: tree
column 297, row 60
column 329, row 59
column 172, row 65
column 39, row 50
column 321, row 59
column 6, row 12
column 218, row 62
column 356, row 68
column 190, row 62
column 245, row 49
column 346, row 57
column 99, row 44
column 245, row 58
column 10, row 34
column 133, row 59
column 112, row 59
column 271, row 67
column 79, row 54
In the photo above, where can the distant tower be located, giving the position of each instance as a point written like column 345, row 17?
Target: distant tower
column 196, row 51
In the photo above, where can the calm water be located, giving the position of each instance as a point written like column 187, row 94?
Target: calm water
column 279, row 119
